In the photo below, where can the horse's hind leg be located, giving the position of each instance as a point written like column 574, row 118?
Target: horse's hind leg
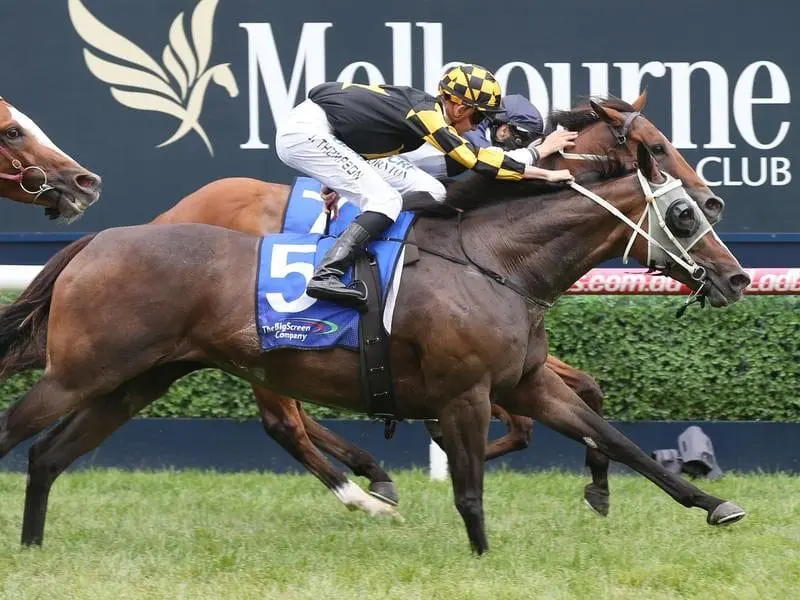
column 518, row 436
column 82, row 431
column 46, row 402
column 361, row 462
column 283, row 422
column 595, row 493
column 546, row 398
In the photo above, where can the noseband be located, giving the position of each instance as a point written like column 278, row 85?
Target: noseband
column 19, row 177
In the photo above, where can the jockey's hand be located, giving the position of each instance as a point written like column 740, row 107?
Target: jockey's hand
column 562, row 175
column 556, row 142
column 331, row 199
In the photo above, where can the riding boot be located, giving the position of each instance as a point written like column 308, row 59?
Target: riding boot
column 326, row 284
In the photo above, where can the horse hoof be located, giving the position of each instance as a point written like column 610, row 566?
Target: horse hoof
column 725, row 514
column 596, row 498
column 386, row 491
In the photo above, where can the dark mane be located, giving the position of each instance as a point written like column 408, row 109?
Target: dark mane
column 475, row 190
column 581, row 117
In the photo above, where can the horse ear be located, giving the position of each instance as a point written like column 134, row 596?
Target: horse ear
column 647, row 164
column 639, row 103
column 609, row 115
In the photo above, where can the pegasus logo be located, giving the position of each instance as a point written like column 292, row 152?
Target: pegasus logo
column 179, row 94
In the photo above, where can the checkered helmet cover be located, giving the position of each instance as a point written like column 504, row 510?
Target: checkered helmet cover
column 472, row 85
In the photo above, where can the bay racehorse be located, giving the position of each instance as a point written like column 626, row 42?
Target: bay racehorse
column 257, row 207
column 122, row 329
column 33, row 170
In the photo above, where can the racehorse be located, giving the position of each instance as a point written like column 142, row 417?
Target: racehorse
column 257, row 207
column 186, row 303
column 33, row 170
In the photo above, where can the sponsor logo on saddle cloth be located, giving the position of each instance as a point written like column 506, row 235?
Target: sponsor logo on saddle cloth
column 285, row 316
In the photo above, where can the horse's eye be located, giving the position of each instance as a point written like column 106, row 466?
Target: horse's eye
column 659, row 149
column 13, row 133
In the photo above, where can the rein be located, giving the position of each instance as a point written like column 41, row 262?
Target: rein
column 468, row 262
column 651, row 193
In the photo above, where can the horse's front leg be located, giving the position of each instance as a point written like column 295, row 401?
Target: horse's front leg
column 595, row 493
column 545, row 397
column 464, row 423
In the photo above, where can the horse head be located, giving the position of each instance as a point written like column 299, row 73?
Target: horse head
column 683, row 243
column 33, row 170
column 613, row 127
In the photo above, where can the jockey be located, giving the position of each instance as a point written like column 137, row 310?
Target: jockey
column 340, row 126
column 518, row 126
column 517, row 130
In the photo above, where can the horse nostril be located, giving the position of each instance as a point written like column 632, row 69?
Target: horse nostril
column 739, row 282
column 714, row 205
column 88, row 182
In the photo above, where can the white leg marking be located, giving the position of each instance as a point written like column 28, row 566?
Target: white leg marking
column 353, row 497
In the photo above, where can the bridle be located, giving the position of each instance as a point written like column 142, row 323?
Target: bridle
column 620, row 134
column 19, row 177
column 653, row 192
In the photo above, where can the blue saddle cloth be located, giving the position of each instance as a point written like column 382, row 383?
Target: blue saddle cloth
column 285, row 316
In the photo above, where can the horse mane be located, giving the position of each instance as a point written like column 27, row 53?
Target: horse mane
column 580, row 117
column 476, row 190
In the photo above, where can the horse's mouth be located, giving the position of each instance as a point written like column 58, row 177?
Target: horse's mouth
column 724, row 290
column 68, row 206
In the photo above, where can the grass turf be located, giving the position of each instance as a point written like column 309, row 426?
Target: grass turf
column 192, row 535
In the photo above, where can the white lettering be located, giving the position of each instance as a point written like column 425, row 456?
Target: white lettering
column 701, row 169
column 432, row 56
column 775, row 169
column 743, row 102
column 631, row 75
column 263, row 59
column 682, row 103
column 537, row 89
column 598, row 79
column 762, row 178
column 560, row 84
column 374, row 75
column 401, row 53
column 779, row 170
column 726, row 173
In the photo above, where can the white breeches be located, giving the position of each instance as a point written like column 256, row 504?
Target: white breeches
column 305, row 142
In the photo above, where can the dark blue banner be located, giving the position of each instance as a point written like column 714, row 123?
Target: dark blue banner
column 163, row 96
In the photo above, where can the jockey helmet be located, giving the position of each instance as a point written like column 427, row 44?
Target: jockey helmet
column 472, row 85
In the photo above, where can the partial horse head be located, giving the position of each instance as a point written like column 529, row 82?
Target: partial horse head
column 33, row 170
column 694, row 253
column 615, row 124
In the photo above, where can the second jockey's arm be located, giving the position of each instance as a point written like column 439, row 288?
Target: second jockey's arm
column 532, row 172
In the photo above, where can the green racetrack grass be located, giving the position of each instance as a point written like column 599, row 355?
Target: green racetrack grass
column 199, row 535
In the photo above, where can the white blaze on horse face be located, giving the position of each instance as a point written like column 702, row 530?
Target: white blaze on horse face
column 353, row 497
column 31, row 128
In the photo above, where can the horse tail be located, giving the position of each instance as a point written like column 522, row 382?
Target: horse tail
column 23, row 323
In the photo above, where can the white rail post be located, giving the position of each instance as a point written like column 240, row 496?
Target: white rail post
column 15, row 278
column 438, row 462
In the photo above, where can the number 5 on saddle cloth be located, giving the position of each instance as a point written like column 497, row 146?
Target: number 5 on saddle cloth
column 287, row 318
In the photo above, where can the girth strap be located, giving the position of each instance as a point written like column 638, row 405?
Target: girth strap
column 377, row 393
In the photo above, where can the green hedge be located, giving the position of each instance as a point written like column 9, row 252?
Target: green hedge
column 741, row 362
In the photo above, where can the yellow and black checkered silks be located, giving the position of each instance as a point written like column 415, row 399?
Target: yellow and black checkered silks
column 384, row 120
column 491, row 162
column 472, row 85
